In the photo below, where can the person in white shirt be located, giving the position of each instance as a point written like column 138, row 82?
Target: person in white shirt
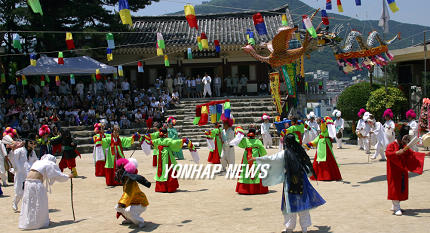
column 312, row 132
column 265, row 131
column 339, row 125
column 368, row 134
column 125, row 87
column 389, row 125
column 359, row 130
column 207, row 85
column 243, row 82
column 227, row 135
column 217, row 85
column 80, row 90
column 413, row 125
column 34, row 211
column 228, row 85
column 377, row 131
column 23, row 158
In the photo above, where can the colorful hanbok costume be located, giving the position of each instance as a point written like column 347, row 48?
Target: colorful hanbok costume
column 215, row 148
column 44, row 142
column 173, row 134
column 69, row 152
column 133, row 201
column 114, row 148
column 254, row 148
column 34, row 211
column 398, row 167
column 99, row 154
column 292, row 168
column 325, row 165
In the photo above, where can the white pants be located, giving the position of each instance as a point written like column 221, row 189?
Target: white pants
column 366, row 144
column 132, row 213
column 304, row 219
column 360, row 142
column 396, row 205
column 281, row 145
column 3, row 173
column 18, row 185
column 339, row 142
column 267, row 139
column 227, row 156
column 379, row 150
column 34, row 210
column 207, row 90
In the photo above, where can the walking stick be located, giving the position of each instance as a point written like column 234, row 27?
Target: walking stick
column 71, row 198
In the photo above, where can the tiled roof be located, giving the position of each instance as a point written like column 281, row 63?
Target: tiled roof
column 228, row 28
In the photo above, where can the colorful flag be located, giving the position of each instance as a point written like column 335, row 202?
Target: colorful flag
column 190, row 15
column 218, row 111
column 124, row 12
column 160, row 41
column 309, row 27
column 139, row 67
column 3, row 78
column 217, row 46
column 250, row 36
column 227, row 110
column 166, row 61
column 324, row 17
column 24, row 80
column 199, row 43
column 120, row 71
column 72, row 79
column 358, row 2
column 35, row 6
column 57, row 81
column 17, row 42
column 98, row 75
column 275, row 90
column 42, row 81
column 259, row 24
column 69, row 41
column 110, row 41
column 159, row 50
column 60, row 58
column 109, row 55
column 393, row 5
column 212, row 112
column 204, row 40
column 47, row 79
column 328, row 5
column 287, row 81
column 284, row 20
column 339, row 6
column 33, row 59
column 190, row 53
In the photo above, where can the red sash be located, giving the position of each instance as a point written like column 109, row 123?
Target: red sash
column 160, row 161
column 300, row 136
column 248, row 157
column 113, row 150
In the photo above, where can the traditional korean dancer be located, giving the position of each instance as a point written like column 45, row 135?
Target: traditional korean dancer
column 312, row 130
column 173, row 134
column 339, row 125
column 44, row 141
column 227, row 155
column 377, row 131
column 325, row 165
column 389, row 125
column 359, row 130
column 265, row 131
column 292, row 167
column 400, row 160
column 133, row 201
column 34, row 211
column 215, row 153
column 99, row 153
column 69, row 152
column 413, row 125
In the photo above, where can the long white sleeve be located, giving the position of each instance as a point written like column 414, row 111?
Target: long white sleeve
column 275, row 173
column 54, row 173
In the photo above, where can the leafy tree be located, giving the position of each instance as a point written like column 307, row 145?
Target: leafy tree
column 380, row 100
column 64, row 15
column 353, row 98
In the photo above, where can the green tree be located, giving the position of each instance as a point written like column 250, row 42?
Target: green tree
column 353, row 98
column 380, row 100
column 64, row 15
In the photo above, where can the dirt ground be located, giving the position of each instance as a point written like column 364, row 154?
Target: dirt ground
column 356, row 204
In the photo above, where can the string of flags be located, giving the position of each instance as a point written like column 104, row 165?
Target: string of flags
column 35, row 6
column 190, row 15
column 69, row 41
column 124, row 12
column 259, row 24
column 392, row 4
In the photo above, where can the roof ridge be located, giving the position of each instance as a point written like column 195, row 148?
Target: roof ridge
column 236, row 14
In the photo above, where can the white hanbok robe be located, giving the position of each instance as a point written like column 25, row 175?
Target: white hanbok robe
column 381, row 140
column 3, row 154
column 21, row 166
column 389, row 127
column 339, row 125
column 227, row 154
column 360, row 129
column 34, row 211
column 265, row 133
column 311, row 133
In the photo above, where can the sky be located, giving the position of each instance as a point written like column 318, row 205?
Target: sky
column 410, row 11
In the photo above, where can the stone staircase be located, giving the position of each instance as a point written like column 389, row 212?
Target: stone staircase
column 246, row 111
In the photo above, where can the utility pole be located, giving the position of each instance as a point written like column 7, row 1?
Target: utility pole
column 425, row 65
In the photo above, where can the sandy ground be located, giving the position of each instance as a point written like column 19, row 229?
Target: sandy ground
column 356, row 204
